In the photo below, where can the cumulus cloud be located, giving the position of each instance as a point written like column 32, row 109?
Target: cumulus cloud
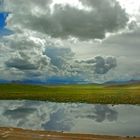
column 24, row 56
column 66, row 20
column 131, row 36
column 102, row 66
column 33, row 52
column 105, row 16
column 99, row 64
column 34, row 55
column 20, row 64
column 59, row 56
column 27, row 62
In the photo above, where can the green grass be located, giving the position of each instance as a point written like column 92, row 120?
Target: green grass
column 117, row 94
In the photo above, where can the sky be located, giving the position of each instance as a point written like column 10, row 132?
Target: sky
column 77, row 41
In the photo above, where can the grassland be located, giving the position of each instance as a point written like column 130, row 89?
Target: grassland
column 104, row 94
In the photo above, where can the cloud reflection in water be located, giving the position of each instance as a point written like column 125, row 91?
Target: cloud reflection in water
column 84, row 118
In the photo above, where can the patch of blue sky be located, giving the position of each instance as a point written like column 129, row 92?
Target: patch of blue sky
column 3, row 30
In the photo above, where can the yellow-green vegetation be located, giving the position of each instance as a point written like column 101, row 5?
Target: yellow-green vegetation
column 104, row 94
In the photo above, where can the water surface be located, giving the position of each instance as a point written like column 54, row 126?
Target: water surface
column 71, row 117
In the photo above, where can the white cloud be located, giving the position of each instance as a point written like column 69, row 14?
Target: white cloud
column 131, row 6
column 24, row 55
column 32, row 55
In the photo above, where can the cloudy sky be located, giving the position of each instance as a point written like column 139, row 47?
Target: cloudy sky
column 77, row 41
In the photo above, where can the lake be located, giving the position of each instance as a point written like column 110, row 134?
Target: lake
column 119, row 120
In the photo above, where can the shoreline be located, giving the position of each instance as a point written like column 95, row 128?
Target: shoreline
column 7, row 133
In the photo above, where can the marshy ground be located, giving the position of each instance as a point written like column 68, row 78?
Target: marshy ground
column 103, row 94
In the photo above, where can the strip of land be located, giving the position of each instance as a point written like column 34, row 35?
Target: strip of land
column 20, row 134
column 103, row 94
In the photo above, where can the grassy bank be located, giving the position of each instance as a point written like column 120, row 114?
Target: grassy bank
column 105, row 94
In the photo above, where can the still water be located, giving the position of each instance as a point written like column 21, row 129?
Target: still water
column 71, row 117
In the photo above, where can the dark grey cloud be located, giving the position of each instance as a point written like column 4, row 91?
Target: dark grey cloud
column 21, row 64
column 100, row 65
column 26, row 5
column 106, row 16
column 65, row 21
column 31, row 66
column 128, row 39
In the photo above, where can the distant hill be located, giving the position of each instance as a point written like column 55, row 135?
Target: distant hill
column 67, row 82
column 122, row 82
column 3, row 81
column 34, row 82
